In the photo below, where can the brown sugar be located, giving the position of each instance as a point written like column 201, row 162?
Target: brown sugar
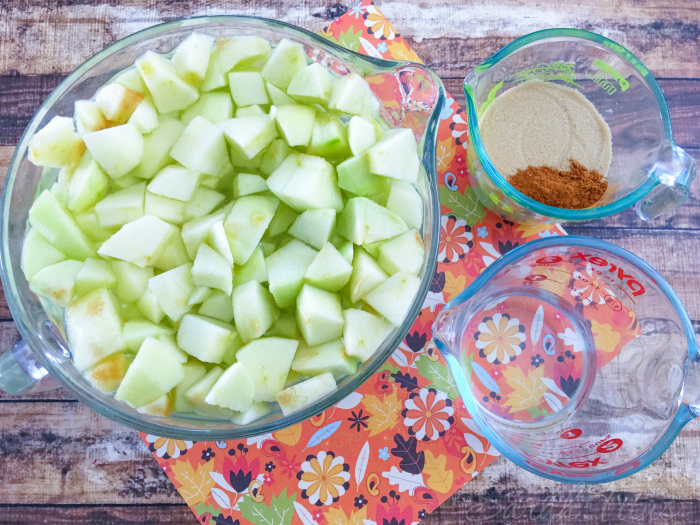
column 574, row 189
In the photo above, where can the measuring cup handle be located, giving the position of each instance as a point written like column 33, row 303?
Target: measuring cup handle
column 674, row 173
column 22, row 373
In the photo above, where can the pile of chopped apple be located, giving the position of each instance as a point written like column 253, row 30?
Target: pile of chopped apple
column 231, row 226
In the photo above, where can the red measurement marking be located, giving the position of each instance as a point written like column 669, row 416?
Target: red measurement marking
column 571, row 434
column 611, row 445
column 628, row 295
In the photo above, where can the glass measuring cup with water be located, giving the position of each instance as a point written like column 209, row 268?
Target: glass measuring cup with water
column 574, row 357
column 647, row 170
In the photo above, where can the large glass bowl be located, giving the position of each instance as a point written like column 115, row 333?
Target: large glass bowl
column 411, row 96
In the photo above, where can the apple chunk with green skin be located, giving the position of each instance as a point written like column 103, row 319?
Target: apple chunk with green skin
column 140, row 242
column 144, row 117
column 395, row 155
column 311, row 85
column 87, row 185
column 214, row 107
column 361, row 135
column 364, row 333
column 135, row 332
column 253, row 270
column 286, row 269
column 329, row 138
column 405, row 252
column 197, row 393
column 393, row 298
column 172, row 290
column 58, row 227
column 352, row 95
column 205, row 338
column 148, row 306
column 201, row 148
column 93, row 275
column 212, row 270
column 366, row 275
column 242, row 51
column 329, row 271
column 153, row 373
column 191, row 58
column 57, row 281
column 37, row 254
column 156, row 148
column 132, row 281
column 275, row 153
column 234, row 390
column 287, row 59
column 117, row 102
column 364, row 221
column 117, row 150
column 405, row 201
column 218, row 240
column 249, row 135
column 56, row 145
column 295, row 123
column 306, row 393
column 164, row 208
column 194, row 371
column 107, row 375
column 196, row 231
column 121, row 207
column 169, row 92
column 354, row 176
column 319, row 315
column 94, row 328
column 254, row 310
column 175, row 182
column 268, row 360
column 246, row 224
column 328, row 357
column 247, row 88
column 218, row 306
column 314, row 227
column 247, row 184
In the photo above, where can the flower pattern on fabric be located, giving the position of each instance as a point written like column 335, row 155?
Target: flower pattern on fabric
column 590, row 288
column 377, row 25
column 459, row 127
column 455, row 239
column 167, row 448
column 323, row 478
column 500, row 339
column 428, row 414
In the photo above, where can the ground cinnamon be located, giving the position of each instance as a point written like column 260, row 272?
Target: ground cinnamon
column 574, row 189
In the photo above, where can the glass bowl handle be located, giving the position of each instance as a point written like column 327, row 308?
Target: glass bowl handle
column 674, row 173
column 22, row 373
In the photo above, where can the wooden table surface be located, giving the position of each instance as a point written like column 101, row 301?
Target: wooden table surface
column 61, row 463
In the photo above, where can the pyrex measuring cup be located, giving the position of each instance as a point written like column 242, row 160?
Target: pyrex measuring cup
column 574, row 357
column 647, row 168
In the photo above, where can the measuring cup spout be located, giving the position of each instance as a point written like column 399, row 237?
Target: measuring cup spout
column 674, row 172
column 444, row 331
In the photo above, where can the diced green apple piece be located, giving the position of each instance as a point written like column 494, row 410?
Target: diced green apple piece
column 107, row 375
column 94, row 328
column 199, row 295
column 169, row 342
column 254, row 110
column 214, row 107
column 364, row 221
column 311, row 85
column 254, row 310
column 148, row 306
column 328, row 357
column 329, row 271
column 405, row 201
column 241, row 51
column 191, row 58
column 233, row 390
column 172, row 290
column 175, row 182
column 160, row 407
column 361, row 135
column 87, row 185
column 215, row 78
column 253, row 270
column 247, row 88
column 329, row 138
column 373, row 248
column 117, row 150
column 275, row 153
column 56, row 145
column 278, row 96
column 287, row 59
column 296, row 397
column 217, row 239
column 93, row 275
column 140, row 242
column 88, row 117
column 286, row 269
column 174, row 254
column 364, row 333
column 246, row 224
column 319, row 315
column 132, row 281
column 395, row 155
column 295, row 123
column 59, row 228
column 37, row 254
column 198, row 392
column 268, row 360
column 256, row 411
column 157, row 146
column 347, row 250
column 248, row 184
column 314, row 227
column 352, row 95
column 194, row 371
column 285, row 326
column 90, row 224
column 204, row 201
column 196, row 231
column 366, row 275
column 154, row 372
column 57, row 281
column 393, row 298
column 170, row 93
column 144, row 117
column 241, row 161
column 205, row 338
column 117, row 102
column 122, row 207
column 131, row 78
column 283, row 219
column 169, row 210
column 405, row 252
column 201, row 148
column 212, row 270
column 134, row 333
column 249, row 135
column 218, row 306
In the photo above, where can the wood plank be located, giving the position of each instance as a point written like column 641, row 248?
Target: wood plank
column 97, row 515
column 452, row 36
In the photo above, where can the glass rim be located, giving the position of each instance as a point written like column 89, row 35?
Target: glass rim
column 564, row 214
column 132, row 420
